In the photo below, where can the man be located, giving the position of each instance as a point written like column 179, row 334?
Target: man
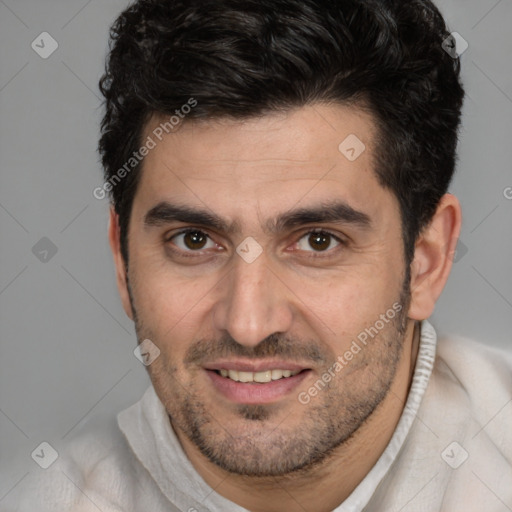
column 281, row 230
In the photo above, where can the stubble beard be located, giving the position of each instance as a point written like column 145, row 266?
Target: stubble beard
column 258, row 446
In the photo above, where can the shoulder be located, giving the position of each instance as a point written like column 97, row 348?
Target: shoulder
column 96, row 469
column 459, row 448
column 475, row 381
column 484, row 372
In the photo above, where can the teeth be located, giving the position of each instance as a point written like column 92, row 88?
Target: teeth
column 277, row 374
column 245, row 376
column 261, row 377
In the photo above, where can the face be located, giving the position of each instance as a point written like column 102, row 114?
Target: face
column 268, row 269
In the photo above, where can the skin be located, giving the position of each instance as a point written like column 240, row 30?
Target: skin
column 299, row 300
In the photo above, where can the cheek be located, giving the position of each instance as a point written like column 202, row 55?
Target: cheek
column 349, row 306
column 172, row 309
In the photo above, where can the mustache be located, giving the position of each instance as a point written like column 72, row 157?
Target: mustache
column 275, row 345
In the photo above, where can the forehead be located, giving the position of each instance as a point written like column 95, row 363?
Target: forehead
column 302, row 135
column 307, row 155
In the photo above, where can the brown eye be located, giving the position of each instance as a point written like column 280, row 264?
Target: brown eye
column 318, row 241
column 192, row 240
column 195, row 240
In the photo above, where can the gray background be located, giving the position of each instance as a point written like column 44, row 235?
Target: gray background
column 66, row 353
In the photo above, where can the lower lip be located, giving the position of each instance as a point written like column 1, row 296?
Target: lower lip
column 255, row 392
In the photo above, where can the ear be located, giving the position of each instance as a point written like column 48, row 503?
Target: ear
column 433, row 257
column 115, row 245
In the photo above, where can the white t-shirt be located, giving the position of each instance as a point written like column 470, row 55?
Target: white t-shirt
column 451, row 450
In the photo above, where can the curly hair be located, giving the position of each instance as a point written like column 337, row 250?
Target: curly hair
column 246, row 58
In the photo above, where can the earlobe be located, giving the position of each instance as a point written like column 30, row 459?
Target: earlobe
column 433, row 257
column 115, row 246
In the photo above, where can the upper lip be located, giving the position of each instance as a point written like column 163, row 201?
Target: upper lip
column 253, row 366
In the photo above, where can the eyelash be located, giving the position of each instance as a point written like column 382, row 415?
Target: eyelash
column 315, row 254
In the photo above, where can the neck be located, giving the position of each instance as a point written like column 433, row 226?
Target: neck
column 327, row 485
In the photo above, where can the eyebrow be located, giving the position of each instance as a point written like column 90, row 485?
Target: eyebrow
column 333, row 212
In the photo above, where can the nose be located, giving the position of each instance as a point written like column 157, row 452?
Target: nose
column 253, row 303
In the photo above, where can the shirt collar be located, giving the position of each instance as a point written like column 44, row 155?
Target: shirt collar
column 362, row 494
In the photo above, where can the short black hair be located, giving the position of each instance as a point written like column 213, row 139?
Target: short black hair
column 246, row 58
